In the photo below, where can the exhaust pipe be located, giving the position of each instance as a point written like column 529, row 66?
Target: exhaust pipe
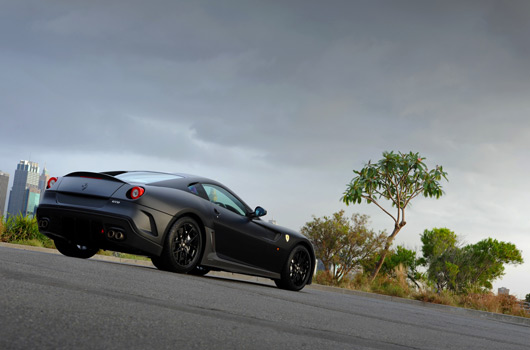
column 43, row 223
column 115, row 235
column 110, row 234
column 119, row 236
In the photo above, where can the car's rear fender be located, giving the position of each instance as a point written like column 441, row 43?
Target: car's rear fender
column 195, row 211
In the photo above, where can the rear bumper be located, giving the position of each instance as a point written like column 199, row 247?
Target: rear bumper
column 102, row 229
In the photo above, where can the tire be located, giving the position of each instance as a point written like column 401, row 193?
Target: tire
column 199, row 271
column 75, row 251
column 184, row 246
column 157, row 261
column 297, row 270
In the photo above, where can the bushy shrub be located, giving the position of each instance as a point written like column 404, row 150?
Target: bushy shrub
column 504, row 304
column 443, row 298
column 389, row 286
column 327, row 279
column 22, row 229
column 2, row 226
column 395, row 285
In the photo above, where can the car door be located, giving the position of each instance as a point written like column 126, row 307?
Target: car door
column 238, row 237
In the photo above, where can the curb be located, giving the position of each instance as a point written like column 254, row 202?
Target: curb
column 445, row 308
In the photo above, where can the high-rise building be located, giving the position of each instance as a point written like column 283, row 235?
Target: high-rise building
column 32, row 200
column 4, row 181
column 26, row 177
column 43, row 180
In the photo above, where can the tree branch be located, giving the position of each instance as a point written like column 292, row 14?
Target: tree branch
column 380, row 207
column 414, row 194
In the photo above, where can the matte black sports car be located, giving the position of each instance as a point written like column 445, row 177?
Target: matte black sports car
column 184, row 223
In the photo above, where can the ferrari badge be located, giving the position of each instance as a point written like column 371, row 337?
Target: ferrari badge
column 287, row 238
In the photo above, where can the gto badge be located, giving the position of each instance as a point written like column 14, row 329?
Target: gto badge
column 287, row 238
column 84, row 186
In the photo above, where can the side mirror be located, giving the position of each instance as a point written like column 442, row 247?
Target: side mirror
column 259, row 211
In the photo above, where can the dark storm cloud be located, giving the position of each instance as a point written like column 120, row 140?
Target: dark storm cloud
column 316, row 78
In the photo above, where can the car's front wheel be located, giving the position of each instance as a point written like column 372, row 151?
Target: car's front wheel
column 74, row 250
column 184, row 246
column 297, row 270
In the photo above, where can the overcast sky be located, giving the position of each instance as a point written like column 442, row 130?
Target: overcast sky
column 281, row 100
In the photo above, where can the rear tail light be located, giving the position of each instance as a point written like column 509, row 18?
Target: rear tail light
column 136, row 192
column 51, row 182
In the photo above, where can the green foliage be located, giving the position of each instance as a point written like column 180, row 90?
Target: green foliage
column 437, row 241
column 17, row 229
column 527, row 298
column 398, row 178
column 341, row 244
column 438, row 245
column 389, row 286
column 462, row 269
column 486, row 260
column 405, row 258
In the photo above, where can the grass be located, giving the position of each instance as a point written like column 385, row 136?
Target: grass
column 123, row 255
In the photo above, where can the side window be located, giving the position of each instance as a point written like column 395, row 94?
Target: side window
column 197, row 189
column 194, row 189
column 225, row 199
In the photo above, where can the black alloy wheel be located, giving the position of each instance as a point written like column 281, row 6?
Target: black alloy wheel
column 74, row 250
column 297, row 270
column 183, row 248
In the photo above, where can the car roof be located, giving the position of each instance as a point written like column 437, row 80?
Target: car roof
column 181, row 177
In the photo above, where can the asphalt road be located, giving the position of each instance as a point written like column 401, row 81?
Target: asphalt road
column 49, row 301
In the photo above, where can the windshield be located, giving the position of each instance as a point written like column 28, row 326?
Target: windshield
column 146, row 177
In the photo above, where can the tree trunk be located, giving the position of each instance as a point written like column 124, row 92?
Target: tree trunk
column 379, row 263
column 384, row 253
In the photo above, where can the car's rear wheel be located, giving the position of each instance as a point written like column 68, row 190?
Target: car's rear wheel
column 158, row 262
column 184, row 245
column 297, row 270
column 75, row 250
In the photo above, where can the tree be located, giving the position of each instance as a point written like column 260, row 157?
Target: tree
column 397, row 178
column 406, row 258
column 342, row 244
column 486, row 262
column 527, row 298
column 441, row 256
column 474, row 266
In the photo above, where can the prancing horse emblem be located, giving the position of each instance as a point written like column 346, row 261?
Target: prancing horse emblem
column 84, row 186
column 287, row 238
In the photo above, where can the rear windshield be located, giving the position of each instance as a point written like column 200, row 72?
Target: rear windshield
column 146, row 177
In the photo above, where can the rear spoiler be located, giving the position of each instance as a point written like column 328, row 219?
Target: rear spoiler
column 100, row 176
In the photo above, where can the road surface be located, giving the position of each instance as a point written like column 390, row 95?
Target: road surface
column 49, row 301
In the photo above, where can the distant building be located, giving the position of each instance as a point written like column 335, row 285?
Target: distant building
column 32, row 200
column 503, row 291
column 43, row 180
column 273, row 222
column 26, row 178
column 4, row 181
